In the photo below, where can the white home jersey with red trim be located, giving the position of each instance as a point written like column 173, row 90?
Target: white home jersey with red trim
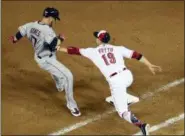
column 39, row 34
column 108, row 58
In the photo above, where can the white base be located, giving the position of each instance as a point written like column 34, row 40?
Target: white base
column 131, row 99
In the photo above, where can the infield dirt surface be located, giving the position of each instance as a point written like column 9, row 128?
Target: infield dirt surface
column 30, row 101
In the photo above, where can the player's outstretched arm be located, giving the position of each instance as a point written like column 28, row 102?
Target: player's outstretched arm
column 142, row 59
column 61, row 49
column 152, row 68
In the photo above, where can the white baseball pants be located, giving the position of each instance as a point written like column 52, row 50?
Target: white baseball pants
column 118, row 85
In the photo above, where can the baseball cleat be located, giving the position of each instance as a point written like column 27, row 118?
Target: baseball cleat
column 60, row 90
column 145, row 129
column 75, row 111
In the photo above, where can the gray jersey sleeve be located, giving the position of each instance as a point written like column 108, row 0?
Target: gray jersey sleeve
column 23, row 29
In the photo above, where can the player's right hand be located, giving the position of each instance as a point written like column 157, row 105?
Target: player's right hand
column 61, row 37
column 12, row 39
column 154, row 68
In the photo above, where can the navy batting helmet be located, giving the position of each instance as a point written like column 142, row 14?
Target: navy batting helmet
column 102, row 35
column 51, row 12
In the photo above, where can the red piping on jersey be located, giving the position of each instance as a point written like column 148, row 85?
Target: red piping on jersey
column 136, row 55
column 73, row 50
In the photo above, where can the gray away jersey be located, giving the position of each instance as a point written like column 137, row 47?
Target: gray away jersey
column 39, row 35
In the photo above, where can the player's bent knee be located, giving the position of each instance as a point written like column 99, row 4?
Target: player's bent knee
column 123, row 114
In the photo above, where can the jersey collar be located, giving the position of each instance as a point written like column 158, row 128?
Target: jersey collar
column 102, row 45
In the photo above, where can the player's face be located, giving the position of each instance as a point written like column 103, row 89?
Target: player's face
column 98, row 42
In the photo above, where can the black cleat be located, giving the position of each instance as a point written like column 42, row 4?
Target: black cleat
column 144, row 129
column 74, row 111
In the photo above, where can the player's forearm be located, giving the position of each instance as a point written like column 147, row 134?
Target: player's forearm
column 59, row 42
column 62, row 49
column 141, row 58
column 145, row 61
column 70, row 50
column 60, row 39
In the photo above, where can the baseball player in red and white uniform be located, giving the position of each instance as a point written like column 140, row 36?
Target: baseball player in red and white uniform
column 44, row 42
column 110, row 61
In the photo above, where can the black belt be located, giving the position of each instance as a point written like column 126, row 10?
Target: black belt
column 115, row 73
column 44, row 56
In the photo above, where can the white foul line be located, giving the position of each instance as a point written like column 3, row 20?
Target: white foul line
column 165, row 123
column 112, row 110
column 81, row 124
column 164, row 87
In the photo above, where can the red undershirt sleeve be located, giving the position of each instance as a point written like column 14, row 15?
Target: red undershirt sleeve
column 136, row 55
column 73, row 51
column 86, row 52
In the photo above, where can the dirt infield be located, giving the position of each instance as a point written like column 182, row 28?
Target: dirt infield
column 30, row 101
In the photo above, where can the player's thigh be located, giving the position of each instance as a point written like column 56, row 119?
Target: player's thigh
column 119, row 96
column 60, row 68
column 52, row 69
column 126, row 78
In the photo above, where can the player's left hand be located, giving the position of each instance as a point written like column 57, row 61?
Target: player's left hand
column 61, row 37
column 12, row 39
column 154, row 68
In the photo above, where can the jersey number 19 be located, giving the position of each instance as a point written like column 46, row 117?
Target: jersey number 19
column 109, row 58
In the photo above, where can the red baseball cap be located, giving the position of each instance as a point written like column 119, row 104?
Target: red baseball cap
column 102, row 35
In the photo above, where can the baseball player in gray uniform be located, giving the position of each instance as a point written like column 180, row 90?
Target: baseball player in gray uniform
column 44, row 42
